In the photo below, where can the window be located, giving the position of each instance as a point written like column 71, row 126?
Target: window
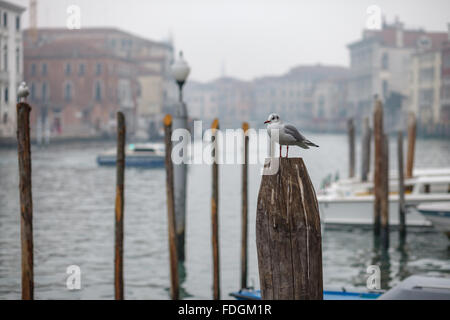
column 447, row 60
column 98, row 69
column 68, row 69
column 33, row 92
column 44, row 92
column 33, row 69
column 6, row 95
column 5, row 19
column 98, row 91
column 385, row 89
column 18, row 23
column 426, row 75
column 68, row 92
column 81, row 69
column 5, row 58
column 385, row 62
column 425, row 97
column 44, row 69
column 18, row 60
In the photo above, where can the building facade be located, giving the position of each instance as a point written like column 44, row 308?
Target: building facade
column 380, row 64
column 444, row 114
column 137, row 75
column 11, row 66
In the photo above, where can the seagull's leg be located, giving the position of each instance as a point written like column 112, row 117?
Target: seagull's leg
column 287, row 152
column 280, row 151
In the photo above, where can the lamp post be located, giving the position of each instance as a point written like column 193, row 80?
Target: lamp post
column 180, row 71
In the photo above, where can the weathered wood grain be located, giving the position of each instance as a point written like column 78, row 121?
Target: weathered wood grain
column 119, row 207
column 288, row 234
column 174, row 276
column 26, row 199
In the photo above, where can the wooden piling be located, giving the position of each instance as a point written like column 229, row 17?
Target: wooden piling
column 174, row 277
column 401, row 188
column 365, row 150
column 351, row 145
column 119, row 212
column 384, row 201
column 26, row 199
column 215, row 213
column 288, row 234
column 244, row 231
column 412, row 128
column 378, row 163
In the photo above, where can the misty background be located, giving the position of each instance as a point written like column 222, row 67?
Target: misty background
column 245, row 39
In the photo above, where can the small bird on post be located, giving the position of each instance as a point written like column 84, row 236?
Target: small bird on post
column 23, row 92
column 288, row 135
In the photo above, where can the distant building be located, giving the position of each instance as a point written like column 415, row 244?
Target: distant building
column 229, row 99
column 76, row 89
column 425, row 85
column 379, row 65
column 444, row 114
column 146, row 85
column 11, row 66
column 202, row 100
column 304, row 95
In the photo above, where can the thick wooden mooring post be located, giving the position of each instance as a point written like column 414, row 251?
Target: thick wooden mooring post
column 119, row 213
column 401, row 188
column 351, row 147
column 174, row 276
column 378, row 164
column 215, row 213
column 288, row 234
column 244, row 231
column 412, row 124
column 365, row 150
column 26, row 200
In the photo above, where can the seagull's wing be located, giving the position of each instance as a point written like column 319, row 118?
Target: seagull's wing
column 291, row 130
column 304, row 143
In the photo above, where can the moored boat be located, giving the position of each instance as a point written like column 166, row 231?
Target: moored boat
column 352, row 203
column 150, row 155
column 438, row 213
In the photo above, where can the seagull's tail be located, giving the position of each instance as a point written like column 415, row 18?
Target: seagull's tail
column 309, row 143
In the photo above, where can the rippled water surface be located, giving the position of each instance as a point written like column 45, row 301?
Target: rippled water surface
column 73, row 202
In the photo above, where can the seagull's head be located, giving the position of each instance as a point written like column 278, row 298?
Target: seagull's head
column 273, row 118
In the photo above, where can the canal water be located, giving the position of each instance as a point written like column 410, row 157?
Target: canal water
column 73, row 220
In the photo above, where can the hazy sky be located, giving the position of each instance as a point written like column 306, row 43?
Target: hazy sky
column 246, row 38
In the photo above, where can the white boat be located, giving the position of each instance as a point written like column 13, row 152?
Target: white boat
column 438, row 213
column 351, row 203
column 150, row 155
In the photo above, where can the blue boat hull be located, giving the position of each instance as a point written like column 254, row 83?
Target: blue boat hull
column 142, row 162
column 327, row 295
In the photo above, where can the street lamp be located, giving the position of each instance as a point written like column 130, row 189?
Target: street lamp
column 180, row 71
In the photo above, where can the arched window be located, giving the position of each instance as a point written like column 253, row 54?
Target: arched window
column 98, row 91
column 68, row 92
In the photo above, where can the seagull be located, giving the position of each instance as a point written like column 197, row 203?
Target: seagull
column 288, row 134
column 23, row 92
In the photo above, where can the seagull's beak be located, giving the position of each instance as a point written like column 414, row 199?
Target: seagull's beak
column 265, row 122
